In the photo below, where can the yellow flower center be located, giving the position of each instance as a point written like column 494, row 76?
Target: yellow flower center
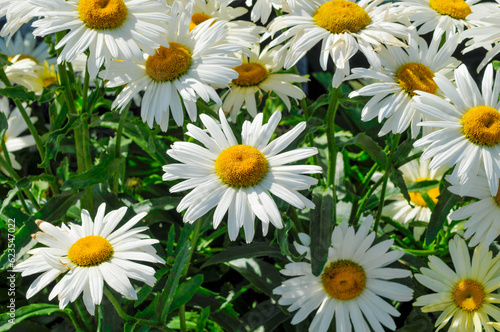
column 198, row 18
column 22, row 57
column 250, row 74
column 416, row 76
column 339, row 16
column 468, row 295
column 455, row 8
column 102, row 14
column 417, row 199
column 167, row 64
column 481, row 125
column 241, row 166
column 497, row 197
column 344, row 280
column 90, row 251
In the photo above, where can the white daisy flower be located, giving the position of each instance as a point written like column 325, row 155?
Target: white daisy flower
column 351, row 285
column 16, row 126
column 177, row 75
column 259, row 73
column 342, row 26
column 17, row 13
column 403, row 71
column 465, row 296
column 441, row 16
column 470, row 134
column 483, row 216
column 89, row 255
column 238, row 177
column 239, row 32
column 24, row 71
column 402, row 212
column 110, row 29
column 485, row 33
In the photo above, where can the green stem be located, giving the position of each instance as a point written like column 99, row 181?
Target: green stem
column 362, row 190
column 182, row 318
column 332, row 145
column 76, row 323
column 128, row 318
column 387, row 172
column 119, row 134
column 13, row 174
column 81, row 315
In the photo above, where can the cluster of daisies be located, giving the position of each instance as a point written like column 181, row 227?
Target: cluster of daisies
column 175, row 54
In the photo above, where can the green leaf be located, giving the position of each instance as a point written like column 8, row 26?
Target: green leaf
column 202, row 320
column 221, row 310
column 100, row 173
column 428, row 200
column 143, row 294
column 25, row 183
column 254, row 249
column 54, row 210
column 264, row 276
column 52, row 140
column 422, row 185
column 18, row 92
column 496, row 64
column 185, row 291
column 397, row 179
column 37, row 309
column 3, row 125
column 168, row 293
column 366, row 143
column 49, row 93
column 266, row 316
column 4, row 60
column 446, row 201
column 321, row 228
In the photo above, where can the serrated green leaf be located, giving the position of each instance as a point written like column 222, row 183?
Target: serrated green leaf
column 37, row 309
column 263, row 276
column 185, row 291
column 321, row 228
column 172, row 282
column 18, row 92
column 99, row 173
column 446, row 201
column 366, row 143
column 254, row 249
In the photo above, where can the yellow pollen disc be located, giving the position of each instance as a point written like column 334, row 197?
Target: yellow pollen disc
column 455, row 8
column 22, row 57
column 481, row 125
column 90, row 251
column 250, row 74
column 344, row 280
column 241, row 166
column 167, row 64
column 497, row 197
column 198, row 18
column 102, row 14
column 339, row 16
column 468, row 295
column 418, row 200
column 416, row 76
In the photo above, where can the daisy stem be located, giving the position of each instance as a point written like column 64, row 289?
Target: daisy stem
column 128, row 318
column 119, row 135
column 76, row 323
column 362, row 190
column 80, row 320
column 332, row 144
column 86, row 138
column 388, row 167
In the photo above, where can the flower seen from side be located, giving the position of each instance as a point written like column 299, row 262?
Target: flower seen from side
column 351, row 285
column 237, row 179
column 89, row 255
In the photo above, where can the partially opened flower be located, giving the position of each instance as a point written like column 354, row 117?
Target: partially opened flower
column 89, row 255
column 343, row 27
column 466, row 295
column 351, row 285
column 237, row 178
column 257, row 74
column 470, row 122
column 483, row 216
